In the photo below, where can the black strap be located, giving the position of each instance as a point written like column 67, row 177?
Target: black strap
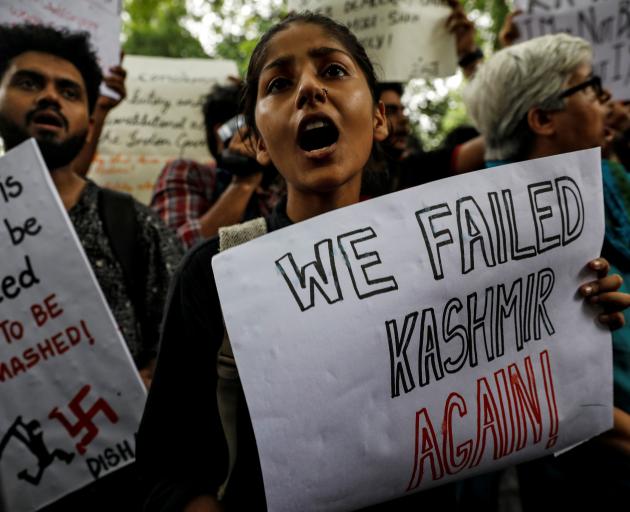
column 118, row 214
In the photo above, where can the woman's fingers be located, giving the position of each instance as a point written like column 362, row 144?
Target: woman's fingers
column 609, row 283
column 611, row 301
column 603, row 292
column 613, row 321
column 599, row 265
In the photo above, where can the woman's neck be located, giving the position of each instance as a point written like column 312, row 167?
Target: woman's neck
column 304, row 205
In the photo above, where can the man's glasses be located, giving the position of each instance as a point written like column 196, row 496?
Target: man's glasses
column 594, row 83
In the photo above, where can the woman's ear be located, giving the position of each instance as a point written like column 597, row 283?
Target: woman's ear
column 262, row 155
column 541, row 122
column 380, row 123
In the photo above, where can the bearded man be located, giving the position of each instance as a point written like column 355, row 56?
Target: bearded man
column 49, row 84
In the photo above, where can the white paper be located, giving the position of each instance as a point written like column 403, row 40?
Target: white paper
column 160, row 120
column 405, row 40
column 334, row 402
column 605, row 24
column 546, row 6
column 61, row 353
column 101, row 18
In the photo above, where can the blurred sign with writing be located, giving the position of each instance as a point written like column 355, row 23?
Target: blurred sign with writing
column 405, row 39
column 101, row 18
column 604, row 23
column 542, row 6
column 160, row 120
column 70, row 396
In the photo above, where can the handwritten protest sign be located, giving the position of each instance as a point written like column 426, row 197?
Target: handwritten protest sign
column 160, row 120
column 538, row 6
column 405, row 39
column 70, row 397
column 605, row 24
column 423, row 336
column 101, row 18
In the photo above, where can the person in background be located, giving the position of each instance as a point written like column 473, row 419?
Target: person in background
column 196, row 199
column 537, row 99
column 618, row 121
column 49, row 83
column 398, row 145
column 407, row 164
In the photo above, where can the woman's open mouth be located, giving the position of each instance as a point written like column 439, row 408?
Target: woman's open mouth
column 316, row 134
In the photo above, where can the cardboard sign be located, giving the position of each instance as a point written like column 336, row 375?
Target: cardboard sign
column 605, row 24
column 424, row 336
column 101, row 18
column 160, row 120
column 404, row 39
column 70, row 396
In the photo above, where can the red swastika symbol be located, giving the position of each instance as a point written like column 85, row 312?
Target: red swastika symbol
column 84, row 418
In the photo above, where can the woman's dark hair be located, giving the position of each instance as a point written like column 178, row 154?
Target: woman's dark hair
column 71, row 46
column 336, row 30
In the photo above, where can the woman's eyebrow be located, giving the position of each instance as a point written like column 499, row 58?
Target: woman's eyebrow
column 324, row 51
column 280, row 62
column 320, row 52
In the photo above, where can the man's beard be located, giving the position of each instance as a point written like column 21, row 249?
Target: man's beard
column 56, row 154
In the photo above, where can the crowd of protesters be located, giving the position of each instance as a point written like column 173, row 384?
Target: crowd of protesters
column 528, row 100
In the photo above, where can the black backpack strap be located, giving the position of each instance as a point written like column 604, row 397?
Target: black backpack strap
column 118, row 215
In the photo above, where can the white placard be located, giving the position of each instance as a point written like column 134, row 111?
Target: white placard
column 70, row 396
column 101, row 18
column 605, row 24
column 160, row 120
column 359, row 334
column 547, row 6
column 405, row 40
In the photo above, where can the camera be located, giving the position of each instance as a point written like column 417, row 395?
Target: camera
column 236, row 163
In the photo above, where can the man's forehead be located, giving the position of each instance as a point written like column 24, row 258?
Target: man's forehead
column 46, row 64
column 389, row 96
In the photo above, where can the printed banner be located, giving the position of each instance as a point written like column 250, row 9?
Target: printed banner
column 405, row 38
column 160, row 120
column 424, row 336
column 101, row 18
column 605, row 24
column 70, row 396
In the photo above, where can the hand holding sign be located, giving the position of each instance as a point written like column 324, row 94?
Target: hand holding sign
column 160, row 120
column 604, row 292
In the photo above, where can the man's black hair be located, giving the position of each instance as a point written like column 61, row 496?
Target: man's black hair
column 71, row 46
column 459, row 135
column 220, row 105
column 397, row 87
